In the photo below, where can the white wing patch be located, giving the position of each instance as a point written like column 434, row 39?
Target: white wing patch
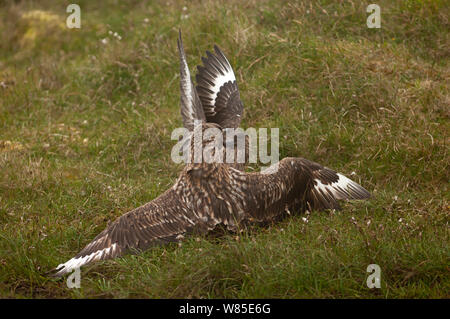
column 78, row 262
column 339, row 188
column 220, row 81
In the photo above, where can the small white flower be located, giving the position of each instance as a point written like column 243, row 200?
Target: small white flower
column 305, row 220
column 105, row 41
column 184, row 8
column 400, row 220
column 146, row 20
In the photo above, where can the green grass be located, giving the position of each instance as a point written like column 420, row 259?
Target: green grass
column 85, row 137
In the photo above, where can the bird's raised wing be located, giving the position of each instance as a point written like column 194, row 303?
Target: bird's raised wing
column 191, row 106
column 164, row 220
column 218, row 90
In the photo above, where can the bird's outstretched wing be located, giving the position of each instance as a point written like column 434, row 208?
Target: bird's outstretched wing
column 191, row 106
column 164, row 220
column 292, row 184
column 218, row 90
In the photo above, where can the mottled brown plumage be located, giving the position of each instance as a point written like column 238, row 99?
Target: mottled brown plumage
column 206, row 195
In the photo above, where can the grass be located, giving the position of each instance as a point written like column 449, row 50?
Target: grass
column 85, row 136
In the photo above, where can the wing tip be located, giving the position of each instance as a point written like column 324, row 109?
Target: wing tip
column 84, row 259
column 325, row 193
column 355, row 190
column 219, row 52
column 180, row 44
column 58, row 271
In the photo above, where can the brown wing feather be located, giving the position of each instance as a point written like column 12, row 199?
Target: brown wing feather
column 191, row 106
column 293, row 184
column 166, row 219
column 218, row 90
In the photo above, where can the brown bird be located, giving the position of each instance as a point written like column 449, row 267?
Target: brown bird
column 206, row 195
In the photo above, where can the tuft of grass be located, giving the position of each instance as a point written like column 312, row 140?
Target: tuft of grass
column 85, row 122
